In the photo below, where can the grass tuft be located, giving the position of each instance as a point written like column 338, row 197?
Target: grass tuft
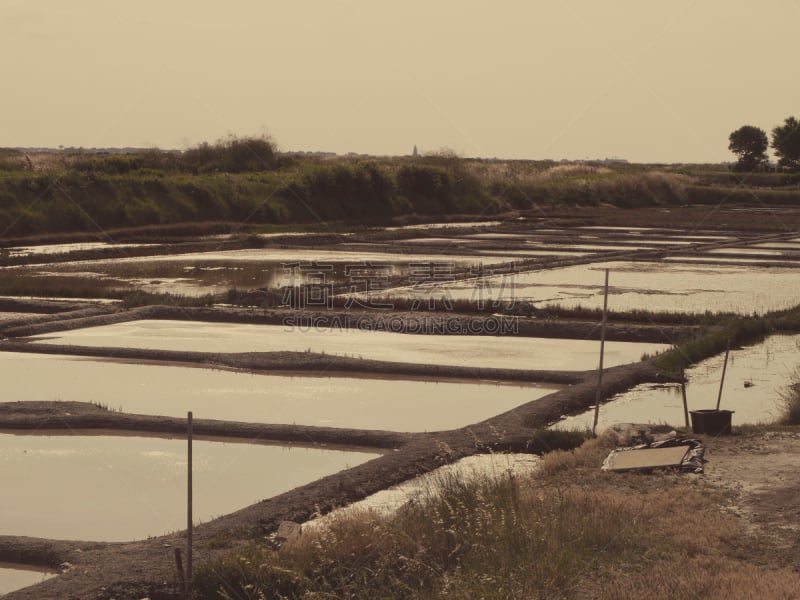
column 789, row 402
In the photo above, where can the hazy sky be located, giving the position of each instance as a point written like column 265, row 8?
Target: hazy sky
column 638, row 79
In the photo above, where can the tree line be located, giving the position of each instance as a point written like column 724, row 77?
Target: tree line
column 750, row 145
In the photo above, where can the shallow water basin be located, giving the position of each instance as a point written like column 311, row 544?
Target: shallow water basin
column 6, row 316
column 497, row 351
column 115, row 488
column 768, row 366
column 15, row 577
column 171, row 390
column 216, row 272
column 424, row 226
column 45, row 249
column 654, row 286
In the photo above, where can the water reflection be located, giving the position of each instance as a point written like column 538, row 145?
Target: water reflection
column 121, row 488
column 398, row 405
column 478, row 467
column 424, row 226
column 5, row 316
column 768, row 366
column 216, row 272
column 665, row 286
column 501, row 351
column 15, row 577
column 64, row 248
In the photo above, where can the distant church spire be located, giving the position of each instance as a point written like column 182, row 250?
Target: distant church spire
column 415, row 153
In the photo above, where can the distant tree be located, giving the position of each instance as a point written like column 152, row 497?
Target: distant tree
column 750, row 145
column 786, row 143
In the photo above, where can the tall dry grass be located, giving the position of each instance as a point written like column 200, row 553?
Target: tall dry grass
column 569, row 531
column 526, row 186
column 789, row 402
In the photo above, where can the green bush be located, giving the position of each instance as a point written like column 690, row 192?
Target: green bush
column 429, row 189
column 231, row 155
column 343, row 191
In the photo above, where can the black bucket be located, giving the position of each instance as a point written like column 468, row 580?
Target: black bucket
column 711, row 421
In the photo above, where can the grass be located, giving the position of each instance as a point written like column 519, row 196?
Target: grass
column 568, row 531
column 248, row 181
column 635, row 315
column 137, row 298
column 14, row 283
column 735, row 332
column 789, row 402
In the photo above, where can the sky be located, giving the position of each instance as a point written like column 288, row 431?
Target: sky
column 641, row 80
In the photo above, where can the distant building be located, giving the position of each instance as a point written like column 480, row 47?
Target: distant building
column 415, row 153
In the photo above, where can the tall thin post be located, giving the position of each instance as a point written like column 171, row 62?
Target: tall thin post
column 602, row 350
column 722, row 380
column 685, row 404
column 189, row 510
column 181, row 573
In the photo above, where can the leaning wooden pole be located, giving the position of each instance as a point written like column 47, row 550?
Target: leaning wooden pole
column 724, row 367
column 189, row 510
column 685, row 404
column 602, row 351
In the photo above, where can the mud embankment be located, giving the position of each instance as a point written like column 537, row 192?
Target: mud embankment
column 306, row 362
column 84, row 316
column 46, row 417
column 40, row 306
column 422, row 323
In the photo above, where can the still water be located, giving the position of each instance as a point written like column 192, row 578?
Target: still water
column 171, row 390
column 663, row 286
column 216, row 272
column 502, row 351
column 115, row 488
column 14, row 577
column 478, row 467
column 768, row 366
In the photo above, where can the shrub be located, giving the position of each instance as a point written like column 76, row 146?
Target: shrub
column 232, row 155
column 343, row 191
column 429, row 189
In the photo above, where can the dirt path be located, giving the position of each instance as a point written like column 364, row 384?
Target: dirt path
column 762, row 472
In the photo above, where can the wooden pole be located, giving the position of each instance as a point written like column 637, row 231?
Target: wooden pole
column 181, row 574
column 602, row 350
column 683, row 393
column 722, row 379
column 189, row 511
